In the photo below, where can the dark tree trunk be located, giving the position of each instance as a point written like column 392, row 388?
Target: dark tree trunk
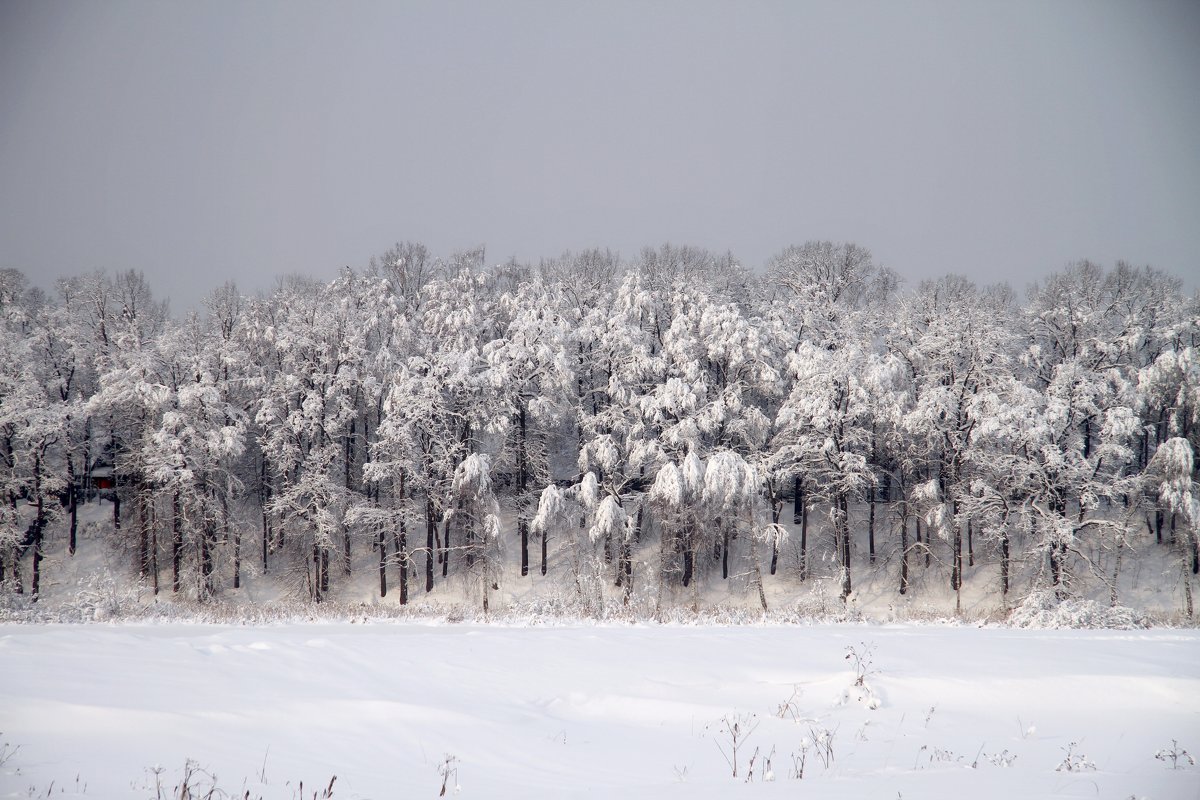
column 36, row 580
column 237, row 541
column 970, row 544
column 324, row 570
column 803, row 537
column 523, row 526
column 871, row 528
column 316, row 572
column 1004, row 557
column 154, row 556
column 689, row 558
column 429, row 536
column 776, row 511
column 522, row 485
column 264, row 494
column 844, row 530
column 143, row 553
column 177, row 539
column 39, row 524
column 724, row 550
column 956, row 568
column 348, row 459
column 381, row 544
column 206, row 560
column 402, row 556
column 904, row 555
column 146, row 563
column 545, row 549
column 797, row 501
column 72, row 505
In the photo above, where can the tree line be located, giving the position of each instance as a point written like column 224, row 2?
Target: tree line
column 649, row 422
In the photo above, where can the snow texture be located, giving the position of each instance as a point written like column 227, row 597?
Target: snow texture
column 596, row 711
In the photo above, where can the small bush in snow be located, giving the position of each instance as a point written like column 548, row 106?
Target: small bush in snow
column 735, row 729
column 790, row 708
column 1074, row 762
column 448, row 771
column 1174, row 754
column 821, row 744
column 1042, row 609
column 1001, row 759
column 861, row 659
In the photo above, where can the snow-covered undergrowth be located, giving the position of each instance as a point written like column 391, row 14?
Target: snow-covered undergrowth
column 1042, row 609
column 401, row 710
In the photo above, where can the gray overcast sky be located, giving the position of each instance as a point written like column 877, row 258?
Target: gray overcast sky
column 203, row 142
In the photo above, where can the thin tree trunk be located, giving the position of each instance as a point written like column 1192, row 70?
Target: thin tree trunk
column 545, row 548
column 1112, row 587
column 803, row 537
column 264, row 494
column 143, row 536
column 381, row 544
column 72, row 504
column 689, row 554
column 724, row 550
column 522, row 486
column 1004, row 563
column 429, row 535
column 402, row 556
column 844, row 530
column 154, row 546
column 237, row 540
column 446, row 551
column 776, row 510
column 756, row 571
column 904, row 554
column 206, row 561
column 871, row 528
column 956, row 568
column 797, row 501
column 970, row 543
column 316, row 571
column 39, row 524
column 523, row 527
column 176, row 539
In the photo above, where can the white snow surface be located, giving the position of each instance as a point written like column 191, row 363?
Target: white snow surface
column 625, row 711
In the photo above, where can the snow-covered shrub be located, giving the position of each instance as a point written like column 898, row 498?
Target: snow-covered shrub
column 1075, row 761
column 861, row 659
column 1041, row 609
column 1176, row 755
column 101, row 597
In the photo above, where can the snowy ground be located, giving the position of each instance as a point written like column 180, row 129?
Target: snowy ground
column 595, row 711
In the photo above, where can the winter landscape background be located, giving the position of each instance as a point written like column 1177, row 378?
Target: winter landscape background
column 622, row 451
column 590, row 437
column 578, row 514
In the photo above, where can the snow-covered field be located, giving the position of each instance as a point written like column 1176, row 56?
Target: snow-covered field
column 596, row 711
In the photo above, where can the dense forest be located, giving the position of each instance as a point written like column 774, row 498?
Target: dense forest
column 664, row 422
